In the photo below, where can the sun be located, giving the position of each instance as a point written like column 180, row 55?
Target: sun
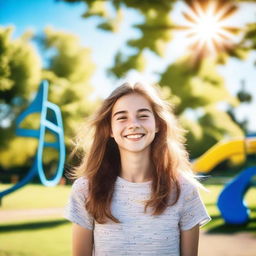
column 206, row 27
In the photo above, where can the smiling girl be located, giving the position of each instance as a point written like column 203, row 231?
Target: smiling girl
column 135, row 193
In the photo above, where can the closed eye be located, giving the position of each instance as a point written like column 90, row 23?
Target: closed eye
column 124, row 117
column 121, row 118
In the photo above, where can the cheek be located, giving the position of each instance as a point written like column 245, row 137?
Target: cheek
column 116, row 128
column 151, row 125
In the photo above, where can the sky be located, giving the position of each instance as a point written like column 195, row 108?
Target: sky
column 36, row 15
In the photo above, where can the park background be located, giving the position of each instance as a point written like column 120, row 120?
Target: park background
column 87, row 48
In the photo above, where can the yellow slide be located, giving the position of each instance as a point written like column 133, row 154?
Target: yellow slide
column 222, row 151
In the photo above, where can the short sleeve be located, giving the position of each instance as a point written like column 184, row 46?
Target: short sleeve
column 193, row 210
column 75, row 210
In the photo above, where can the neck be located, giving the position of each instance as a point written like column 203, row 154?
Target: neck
column 136, row 167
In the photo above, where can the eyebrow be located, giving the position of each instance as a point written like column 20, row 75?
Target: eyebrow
column 139, row 110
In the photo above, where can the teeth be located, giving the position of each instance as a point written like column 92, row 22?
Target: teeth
column 135, row 136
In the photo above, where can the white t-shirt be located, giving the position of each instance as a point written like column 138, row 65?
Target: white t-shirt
column 138, row 233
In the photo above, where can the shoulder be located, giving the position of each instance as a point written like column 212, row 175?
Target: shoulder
column 80, row 185
column 188, row 187
column 188, row 182
column 75, row 210
column 192, row 209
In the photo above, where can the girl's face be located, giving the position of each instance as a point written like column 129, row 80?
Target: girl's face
column 133, row 124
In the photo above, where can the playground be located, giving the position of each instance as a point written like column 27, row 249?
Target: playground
column 35, row 211
column 24, row 220
column 57, row 69
column 231, row 201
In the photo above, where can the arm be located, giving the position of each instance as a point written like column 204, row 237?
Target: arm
column 82, row 241
column 189, row 241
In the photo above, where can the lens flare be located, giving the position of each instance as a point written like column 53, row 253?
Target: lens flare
column 206, row 27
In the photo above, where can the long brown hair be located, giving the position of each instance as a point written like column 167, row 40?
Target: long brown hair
column 102, row 165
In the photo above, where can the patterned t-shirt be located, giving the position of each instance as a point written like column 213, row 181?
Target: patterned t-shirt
column 138, row 233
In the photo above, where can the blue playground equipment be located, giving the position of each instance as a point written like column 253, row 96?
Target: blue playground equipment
column 231, row 203
column 51, row 121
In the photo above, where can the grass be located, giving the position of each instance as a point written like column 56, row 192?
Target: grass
column 35, row 196
column 52, row 237
column 47, row 237
column 40, row 238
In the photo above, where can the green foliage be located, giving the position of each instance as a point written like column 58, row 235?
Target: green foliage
column 201, row 89
column 242, row 49
column 112, row 24
column 69, row 70
column 156, row 32
column 250, row 36
column 20, row 74
column 96, row 8
column 20, row 66
column 124, row 64
column 213, row 126
column 192, row 87
column 195, row 87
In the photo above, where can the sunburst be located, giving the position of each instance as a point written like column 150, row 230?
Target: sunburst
column 206, row 27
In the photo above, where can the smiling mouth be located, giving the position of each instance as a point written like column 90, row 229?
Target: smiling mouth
column 134, row 136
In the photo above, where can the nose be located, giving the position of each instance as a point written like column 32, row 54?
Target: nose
column 133, row 124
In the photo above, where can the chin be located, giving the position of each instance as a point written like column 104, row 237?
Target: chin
column 135, row 150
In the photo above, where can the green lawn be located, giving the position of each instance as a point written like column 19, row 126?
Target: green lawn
column 40, row 238
column 52, row 237
column 35, row 196
column 47, row 237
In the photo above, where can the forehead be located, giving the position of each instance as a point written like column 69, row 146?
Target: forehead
column 131, row 102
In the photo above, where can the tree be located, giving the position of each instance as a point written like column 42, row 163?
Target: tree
column 199, row 91
column 68, row 68
column 193, row 88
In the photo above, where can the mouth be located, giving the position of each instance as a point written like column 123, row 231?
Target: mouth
column 135, row 136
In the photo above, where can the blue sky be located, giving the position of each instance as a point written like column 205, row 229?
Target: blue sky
column 36, row 15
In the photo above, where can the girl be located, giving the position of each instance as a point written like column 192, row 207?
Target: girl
column 135, row 193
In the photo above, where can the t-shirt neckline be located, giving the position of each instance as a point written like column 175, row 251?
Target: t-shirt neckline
column 129, row 183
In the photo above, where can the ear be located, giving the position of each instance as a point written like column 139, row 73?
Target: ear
column 111, row 133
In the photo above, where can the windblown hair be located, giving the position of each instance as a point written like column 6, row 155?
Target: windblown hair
column 102, row 165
